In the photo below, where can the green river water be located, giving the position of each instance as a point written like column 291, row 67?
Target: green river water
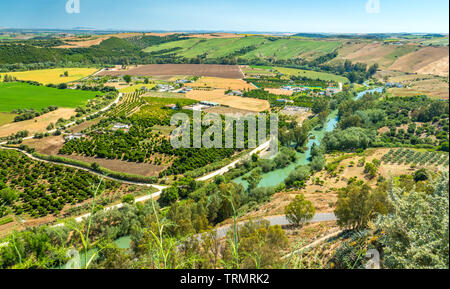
column 276, row 177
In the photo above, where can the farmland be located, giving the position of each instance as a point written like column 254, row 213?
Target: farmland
column 262, row 47
column 225, row 71
column 218, row 96
column 54, row 76
column 312, row 74
column 135, row 87
column 362, row 145
column 216, row 82
column 38, row 124
column 25, row 96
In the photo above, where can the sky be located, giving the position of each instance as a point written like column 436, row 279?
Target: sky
column 333, row 16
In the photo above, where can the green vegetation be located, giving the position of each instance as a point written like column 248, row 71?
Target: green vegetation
column 299, row 210
column 312, row 74
column 415, row 158
column 19, row 95
column 44, row 188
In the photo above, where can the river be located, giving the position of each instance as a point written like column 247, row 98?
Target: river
column 277, row 177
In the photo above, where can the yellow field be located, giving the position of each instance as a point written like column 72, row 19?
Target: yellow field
column 6, row 117
column 133, row 88
column 224, row 83
column 46, row 76
column 218, row 95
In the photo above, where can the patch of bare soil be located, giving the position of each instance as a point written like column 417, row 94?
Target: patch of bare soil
column 228, row 110
column 143, row 169
column 218, row 95
column 212, row 70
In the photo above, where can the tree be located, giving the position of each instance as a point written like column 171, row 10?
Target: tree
column 128, row 199
column 168, row 196
column 66, row 73
column 415, row 233
column 299, row 210
column 253, row 179
column 421, row 175
column 8, row 196
column 62, row 86
column 127, row 78
column 371, row 170
column 300, row 175
column 358, row 204
column 95, row 167
column 320, row 105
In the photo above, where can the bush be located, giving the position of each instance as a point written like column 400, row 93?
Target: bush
column 299, row 210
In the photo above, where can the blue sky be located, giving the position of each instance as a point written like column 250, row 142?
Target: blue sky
column 341, row 16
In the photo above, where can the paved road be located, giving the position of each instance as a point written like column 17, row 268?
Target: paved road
column 118, row 206
column 280, row 220
column 226, row 168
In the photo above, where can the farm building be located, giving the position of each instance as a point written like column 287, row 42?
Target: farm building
column 196, row 107
column 171, row 106
column 291, row 109
column 285, row 100
column 209, row 103
column 74, row 136
column 185, row 90
column 164, row 87
column 235, row 93
column 121, row 126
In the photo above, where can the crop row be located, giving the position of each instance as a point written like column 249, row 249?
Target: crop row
column 408, row 156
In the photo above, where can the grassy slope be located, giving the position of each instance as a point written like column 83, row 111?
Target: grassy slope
column 184, row 44
column 293, row 48
column 21, row 95
column 282, row 48
column 46, row 76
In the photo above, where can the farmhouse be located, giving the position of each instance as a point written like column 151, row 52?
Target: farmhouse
column 171, row 106
column 121, row 126
column 285, row 100
column 185, row 90
column 196, row 107
column 164, row 87
column 235, row 93
column 74, row 136
column 291, row 109
column 209, row 103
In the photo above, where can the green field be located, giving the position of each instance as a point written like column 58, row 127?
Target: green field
column 285, row 48
column 312, row 74
column 293, row 48
column 214, row 48
column 18, row 95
